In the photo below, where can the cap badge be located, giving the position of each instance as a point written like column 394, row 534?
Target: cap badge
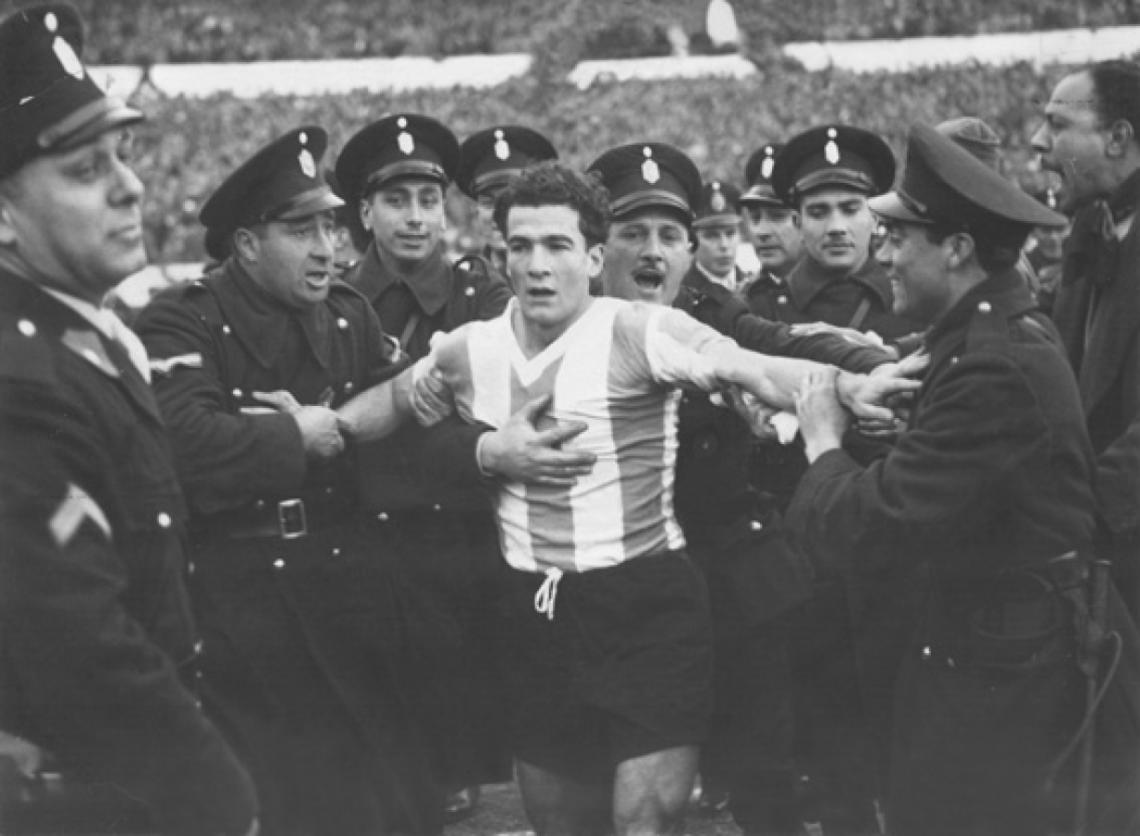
column 650, row 172
column 62, row 49
column 831, row 150
column 717, row 202
column 768, row 164
column 405, row 143
column 502, row 149
column 305, row 158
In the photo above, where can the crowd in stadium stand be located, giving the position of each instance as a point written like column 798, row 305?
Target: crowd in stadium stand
column 139, row 32
column 188, row 144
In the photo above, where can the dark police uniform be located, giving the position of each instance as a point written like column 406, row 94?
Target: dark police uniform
column 990, row 482
column 445, row 535
column 298, row 604
column 97, row 644
column 844, row 643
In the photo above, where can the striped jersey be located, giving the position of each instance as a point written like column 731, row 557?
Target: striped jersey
column 615, row 368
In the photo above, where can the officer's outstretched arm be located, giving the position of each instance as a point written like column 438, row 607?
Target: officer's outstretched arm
column 775, row 381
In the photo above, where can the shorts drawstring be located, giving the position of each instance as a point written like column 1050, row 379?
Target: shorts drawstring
column 548, row 593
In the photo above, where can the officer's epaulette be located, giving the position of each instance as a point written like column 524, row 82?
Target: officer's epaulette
column 475, row 263
column 25, row 352
column 988, row 324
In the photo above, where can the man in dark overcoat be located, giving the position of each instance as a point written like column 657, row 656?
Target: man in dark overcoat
column 304, row 647
column 97, row 643
column 990, row 487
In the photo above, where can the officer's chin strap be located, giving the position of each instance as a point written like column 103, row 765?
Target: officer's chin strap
column 547, row 594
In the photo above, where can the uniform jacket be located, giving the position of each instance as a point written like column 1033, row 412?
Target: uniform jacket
column 437, row 297
column 767, row 295
column 992, row 478
column 95, row 624
column 993, row 472
column 1106, row 356
column 861, row 301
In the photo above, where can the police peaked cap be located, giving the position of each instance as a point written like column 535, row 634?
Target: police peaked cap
column 403, row 145
column 48, row 101
column 281, row 182
column 944, row 184
column 648, row 174
column 490, row 158
column 758, row 174
column 719, row 205
column 836, row 156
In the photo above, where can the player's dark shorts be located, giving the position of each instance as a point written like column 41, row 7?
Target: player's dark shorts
column 622, row 670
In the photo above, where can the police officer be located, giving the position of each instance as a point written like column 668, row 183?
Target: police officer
column 395, row 172
column 302, row 647
column 753, row 576
column 488, row 160
column 716, row 227
column 986, row 698
column 773, row 230
column 827, row 174
column 97, row 645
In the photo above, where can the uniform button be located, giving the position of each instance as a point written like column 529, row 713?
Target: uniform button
column 199, row 646
column 227, row 330
column 985, row 307
column 164, row 519
column 954, row 360
column 190, row 567
column 259, row 505
column 336, row 551
column 927, row 652
column 348, row 387
column 236, row 392
column 382, row 516
column 437, row 507
column 329, row 490
column 470, row 291
column 950, row 662
column 342, row 323
column 27, row 327
column 781, row 300
column 756, row 525
column 279, row 563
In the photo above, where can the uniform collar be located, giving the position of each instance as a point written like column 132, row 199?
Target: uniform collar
column 429, row 282
column 1003, row 295
column 261, row 322
column 729, row 283
column 808, row 279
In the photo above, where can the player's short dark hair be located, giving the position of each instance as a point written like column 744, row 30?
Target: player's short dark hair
column 554, row 184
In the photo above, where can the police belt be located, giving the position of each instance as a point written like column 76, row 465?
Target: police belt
column 285, row 519
column 1015, row 620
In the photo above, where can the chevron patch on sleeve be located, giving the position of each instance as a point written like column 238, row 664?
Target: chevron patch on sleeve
column 76, row 507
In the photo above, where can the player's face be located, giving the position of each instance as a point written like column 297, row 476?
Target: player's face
column 716, row 248
column 917, row 267
column 75, row 219
column 647, row 255
column 292, row 260
column 407, row 218
column 1073, row 143
column 836, row 226
column 774, row 232
column 550, row 265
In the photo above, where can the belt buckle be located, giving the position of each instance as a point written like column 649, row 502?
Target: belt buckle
column 291, row 519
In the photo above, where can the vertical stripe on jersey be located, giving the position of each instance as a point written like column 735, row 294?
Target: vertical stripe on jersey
column 543, row 511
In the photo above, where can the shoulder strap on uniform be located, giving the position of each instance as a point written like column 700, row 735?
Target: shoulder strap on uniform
column 860, row 313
